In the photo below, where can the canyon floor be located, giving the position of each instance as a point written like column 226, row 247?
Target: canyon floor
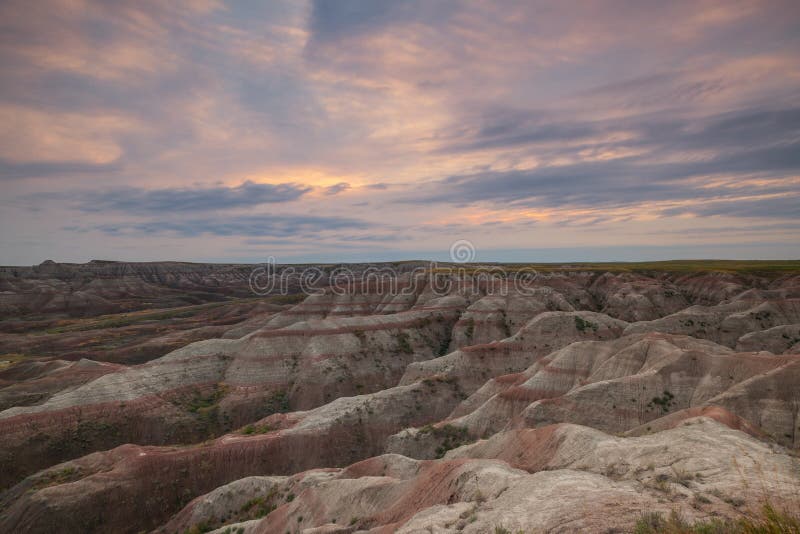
column 169, row 398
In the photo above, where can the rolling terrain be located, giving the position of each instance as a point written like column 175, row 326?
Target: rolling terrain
column 167, row 398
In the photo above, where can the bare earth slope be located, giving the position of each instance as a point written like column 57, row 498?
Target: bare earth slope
column 569, row 405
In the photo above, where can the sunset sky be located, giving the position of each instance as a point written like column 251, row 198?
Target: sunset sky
column 351, row 130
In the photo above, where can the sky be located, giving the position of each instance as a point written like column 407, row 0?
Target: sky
column 365, row 130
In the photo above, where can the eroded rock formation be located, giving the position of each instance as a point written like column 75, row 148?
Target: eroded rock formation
column 570, row 406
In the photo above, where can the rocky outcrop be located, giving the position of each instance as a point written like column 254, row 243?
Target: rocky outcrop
column 134, row 487
column 634, row 298
column 724, row 323
column 472, row 366
column 783, row 339
column 564, row 478
column 212, row 386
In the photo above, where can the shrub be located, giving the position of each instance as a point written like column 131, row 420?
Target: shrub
column 665, row 401
column 470, row 330
column 278, row 402
column 402, row 343
column 451, row 436
column 583, row 325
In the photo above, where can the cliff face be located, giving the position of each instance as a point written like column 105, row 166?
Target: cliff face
column 571, row 406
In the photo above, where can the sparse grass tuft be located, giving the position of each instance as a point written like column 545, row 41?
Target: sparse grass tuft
column 403, row 344
column 768, row 521
column 256, row 429
column 583, row 325
column 665, row 401
column 682, row 477
column 54, row 478
column 452, row 437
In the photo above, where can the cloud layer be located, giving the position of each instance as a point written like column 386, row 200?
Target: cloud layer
column 193, row 129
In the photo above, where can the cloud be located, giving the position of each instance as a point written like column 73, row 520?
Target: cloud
column 512, row 128
column 786, row 206
column 13, row 170
column 546, row 118
column 720, row 158
column 332, row 19
column 33, row 136
column 337, row 188
column 235, row 225
column 140, row 201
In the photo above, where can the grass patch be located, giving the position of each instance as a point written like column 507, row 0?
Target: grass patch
column 583, row 325
column 403, row 345
column 120, row 320
column 54, row 478
column 768, row 521
column 451, row 437
column 278, row 402
column 9, row 359
column 775, row 267
column 469, row 331
column 204, row 406
column 259, row 507
column 256, row 429
column 201, row 404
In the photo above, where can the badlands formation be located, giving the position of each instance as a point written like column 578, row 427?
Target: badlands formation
column 575, row 405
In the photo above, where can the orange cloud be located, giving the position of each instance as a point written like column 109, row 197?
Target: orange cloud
column 29, row 135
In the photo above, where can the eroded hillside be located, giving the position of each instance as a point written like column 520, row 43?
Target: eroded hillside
column 572, row 405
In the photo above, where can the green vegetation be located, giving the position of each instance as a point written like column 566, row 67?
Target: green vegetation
column 257, row 429
column 444, row 345
column 201, row 404
column 76, row 440
column 736, row 502
column 583, row 325
column 9, row 359
column 682, row 477
column 126, row 319
column 403, row 344
column 259, row 507
column 469, row 331
column 54, row 478
column 665, row 401
column 791, row 340
column 768, row 521
column 278, row 402
column 733, row 266
column 451, row 437
column 204, row 405
column 199, row 528
column 119, row 320
column 255, row 508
